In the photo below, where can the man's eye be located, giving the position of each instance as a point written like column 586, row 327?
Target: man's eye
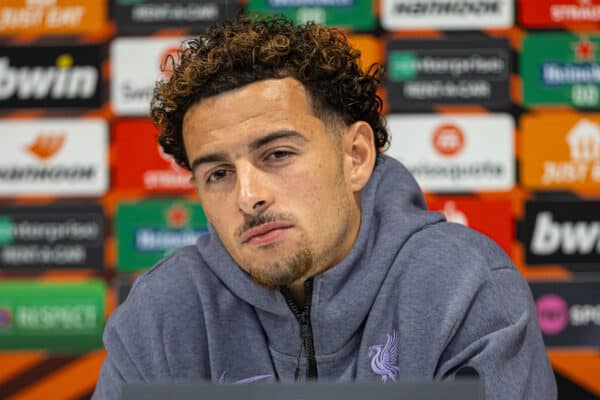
column 217, row 175
column 279, row 155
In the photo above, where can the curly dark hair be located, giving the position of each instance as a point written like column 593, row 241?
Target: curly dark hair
column 251, row 48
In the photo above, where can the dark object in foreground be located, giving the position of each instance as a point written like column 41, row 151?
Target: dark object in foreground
column 460, row 390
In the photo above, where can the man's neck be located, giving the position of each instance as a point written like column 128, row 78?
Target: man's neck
column 297, row 292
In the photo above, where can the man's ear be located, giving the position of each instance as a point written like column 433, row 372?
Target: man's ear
column 358, row 145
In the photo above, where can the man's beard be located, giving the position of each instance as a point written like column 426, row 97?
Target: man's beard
column 283, row 272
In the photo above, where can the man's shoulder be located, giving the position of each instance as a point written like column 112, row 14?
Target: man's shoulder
column 159, row 329
column 174, row 271
column 451, row 248
column 172, row 282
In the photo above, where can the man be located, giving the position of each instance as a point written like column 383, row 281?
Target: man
column 321, row 261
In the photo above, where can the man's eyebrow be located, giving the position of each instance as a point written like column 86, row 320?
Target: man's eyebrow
column 258, row 143
column 215, row 157
column 254, row 145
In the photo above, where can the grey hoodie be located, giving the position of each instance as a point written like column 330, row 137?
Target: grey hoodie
column 416, row 297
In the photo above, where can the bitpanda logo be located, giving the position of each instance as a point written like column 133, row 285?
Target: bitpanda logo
column 50, row 77
column 562, row 232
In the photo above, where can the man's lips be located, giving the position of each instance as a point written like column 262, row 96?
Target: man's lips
column 265, row 233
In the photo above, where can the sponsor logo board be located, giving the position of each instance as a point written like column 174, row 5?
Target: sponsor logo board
column 56, row 317
column 153, row 170
column 568, row 312
column 560, row 69
column 50, row 77
column 560, row 151
column 147, row 16
column 137, row 64
column 51, row 237
column 425, row 73
column 455, row 153
column 65, row 157
column 353, row 14
column 148, row 230
column 447, row 14
column 371, row 49
column 493, row 218
column 558, row 13
column 63, row 17
column 560, row 232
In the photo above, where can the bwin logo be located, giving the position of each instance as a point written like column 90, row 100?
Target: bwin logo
column 571, row 237
column 63, row 81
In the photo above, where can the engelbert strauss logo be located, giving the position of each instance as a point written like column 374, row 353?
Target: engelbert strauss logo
column 384, row 358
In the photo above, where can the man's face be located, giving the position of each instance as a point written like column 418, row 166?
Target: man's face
column 273, row 180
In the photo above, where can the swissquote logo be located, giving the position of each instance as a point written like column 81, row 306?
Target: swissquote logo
column 134, row 78
column 448, row 139
column 562, row 232
column 583, row 141
column 53, row 157
column 450, row 154
column 50, row 77
column 556, row 13
column 447, row 14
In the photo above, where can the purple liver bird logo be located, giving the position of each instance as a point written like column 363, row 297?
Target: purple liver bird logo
column 384, row 358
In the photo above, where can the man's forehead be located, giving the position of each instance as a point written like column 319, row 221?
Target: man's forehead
column 246, row 102
column 231, row 121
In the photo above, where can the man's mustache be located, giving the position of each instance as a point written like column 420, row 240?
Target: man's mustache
column 256, row 220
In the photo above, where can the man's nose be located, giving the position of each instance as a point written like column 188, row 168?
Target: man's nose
column 253, row 195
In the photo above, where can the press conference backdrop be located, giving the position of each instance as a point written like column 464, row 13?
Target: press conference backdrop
column 494, row 106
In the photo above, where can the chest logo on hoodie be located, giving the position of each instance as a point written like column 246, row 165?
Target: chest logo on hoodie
column 384, row 358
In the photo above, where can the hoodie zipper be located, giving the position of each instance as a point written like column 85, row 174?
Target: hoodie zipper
column 307, row 343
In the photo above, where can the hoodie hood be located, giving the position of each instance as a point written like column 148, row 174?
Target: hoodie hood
column 392, row 209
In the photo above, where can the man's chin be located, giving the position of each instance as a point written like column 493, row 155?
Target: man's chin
column 281, row 272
